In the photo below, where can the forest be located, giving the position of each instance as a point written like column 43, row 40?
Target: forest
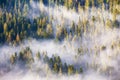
column 59, row 39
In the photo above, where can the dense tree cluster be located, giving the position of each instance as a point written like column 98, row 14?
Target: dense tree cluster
column 68, row 3
column 58, row 66
column 25, row 56
column 55, row 64
column 14, row 26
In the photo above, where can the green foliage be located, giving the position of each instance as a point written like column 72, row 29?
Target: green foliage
column 81, row 70
column 103, row 48
column 13, row 58
column 116, row 24
column 38, row 55
column 58, row 66
column 24, row 56
column 14, row 27
column 70, row 69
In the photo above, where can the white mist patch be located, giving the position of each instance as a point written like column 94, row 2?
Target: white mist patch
column 31, row 76
column 67, row 16
column 61, row 16
column 40, row 71
column 60, row 11
column 92, row 57
column 98, row 55
column 64, row 49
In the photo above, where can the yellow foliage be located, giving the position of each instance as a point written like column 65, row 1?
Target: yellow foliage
column 49, row 29
column 5, row 27
column 17, row 38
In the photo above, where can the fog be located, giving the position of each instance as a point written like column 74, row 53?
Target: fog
column 97, row 63
column 101, row 65
column 67, row 15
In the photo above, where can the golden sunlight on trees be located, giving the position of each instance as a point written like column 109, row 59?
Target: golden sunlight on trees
column 70, row 69
column 49, row 29
column 59, row 38
column 5, row 27
column 87, row 3
column 17, row 38
column 68, row 3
